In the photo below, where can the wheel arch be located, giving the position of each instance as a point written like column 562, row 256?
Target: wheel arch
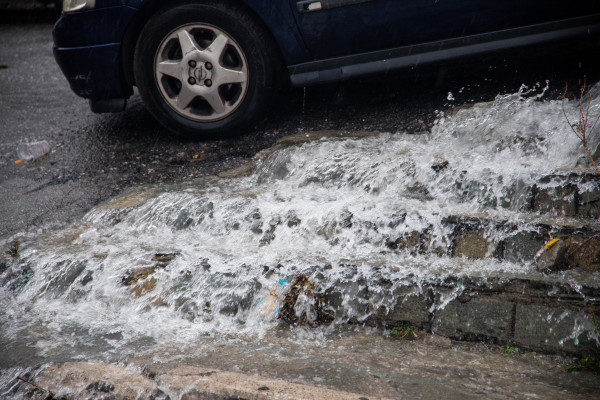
column 278, row 22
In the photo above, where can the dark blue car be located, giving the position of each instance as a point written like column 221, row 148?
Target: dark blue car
column 209, row 68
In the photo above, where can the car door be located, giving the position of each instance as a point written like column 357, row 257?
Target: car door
column 333, row 28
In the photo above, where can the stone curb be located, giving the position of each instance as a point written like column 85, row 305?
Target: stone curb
column 80, row 380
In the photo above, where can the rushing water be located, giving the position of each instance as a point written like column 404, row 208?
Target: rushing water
column 173, row 263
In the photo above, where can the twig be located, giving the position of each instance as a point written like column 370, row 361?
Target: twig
column 580, row 128
column 50, row 394
column 583, row 244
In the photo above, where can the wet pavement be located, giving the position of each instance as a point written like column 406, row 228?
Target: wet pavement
column 95, row 157
column 365, row 365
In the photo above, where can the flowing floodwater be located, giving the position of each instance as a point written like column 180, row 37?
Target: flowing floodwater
column 166, row 271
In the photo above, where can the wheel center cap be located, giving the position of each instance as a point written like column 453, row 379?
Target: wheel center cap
column 201, row 73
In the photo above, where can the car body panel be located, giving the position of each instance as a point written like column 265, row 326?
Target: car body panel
column 383, row 61
column 91, row 71
column 90, row 59
column 113, row 20
column 358, row 26
column 345, row 39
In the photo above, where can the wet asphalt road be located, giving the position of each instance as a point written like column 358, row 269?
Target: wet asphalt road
column 95, row 157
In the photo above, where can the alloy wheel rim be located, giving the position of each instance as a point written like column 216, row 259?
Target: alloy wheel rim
column 201, row 72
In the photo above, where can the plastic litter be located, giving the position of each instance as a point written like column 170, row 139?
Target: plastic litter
column 269, row 305
column 550, row 244
column 33, row 150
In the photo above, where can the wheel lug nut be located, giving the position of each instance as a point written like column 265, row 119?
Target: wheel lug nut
column 208, row 65
column 192, row 63
column 192, row 80
column 208, row 82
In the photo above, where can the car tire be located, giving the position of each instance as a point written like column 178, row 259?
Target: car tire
column 207, row 70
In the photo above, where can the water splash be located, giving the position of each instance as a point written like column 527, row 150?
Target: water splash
column 338, row 210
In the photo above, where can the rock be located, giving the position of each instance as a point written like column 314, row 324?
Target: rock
column 140, row 280
column 16, row 276
column 589, row 203
column 245, row 169
column 474, row 318
column 164, row 257
column 583, row 252
column 553, row 259
column 269, row 234
column 396, row 220
column 158, row 394
column 4, row 264
column 138, row 274
column 522, row 246
column 408, row 241
column 412, row 307
column 418, row 191
column 144, row 287
column 558, row 200
column 65, row 273
column 87, row 278
column 346, row 219
column 517, row 196
column 553, row 329
column 84, row 380
column 439, row 341
column 439, row 166
column 99, row 387
column 435, row 245
column 292, row 219
column 472, row 244
column 255, row 220
column 183, row 220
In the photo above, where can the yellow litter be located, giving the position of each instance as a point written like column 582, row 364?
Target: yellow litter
column 550, row 244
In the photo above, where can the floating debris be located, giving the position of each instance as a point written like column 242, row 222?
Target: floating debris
column 13, row 251
column 302, row 306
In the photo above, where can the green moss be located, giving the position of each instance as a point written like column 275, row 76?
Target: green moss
column 590, row 364
column 512, row 350
column 404, row 332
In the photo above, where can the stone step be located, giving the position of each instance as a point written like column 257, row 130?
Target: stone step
column 534, row 312
column 478, row 237
column 569, row 194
